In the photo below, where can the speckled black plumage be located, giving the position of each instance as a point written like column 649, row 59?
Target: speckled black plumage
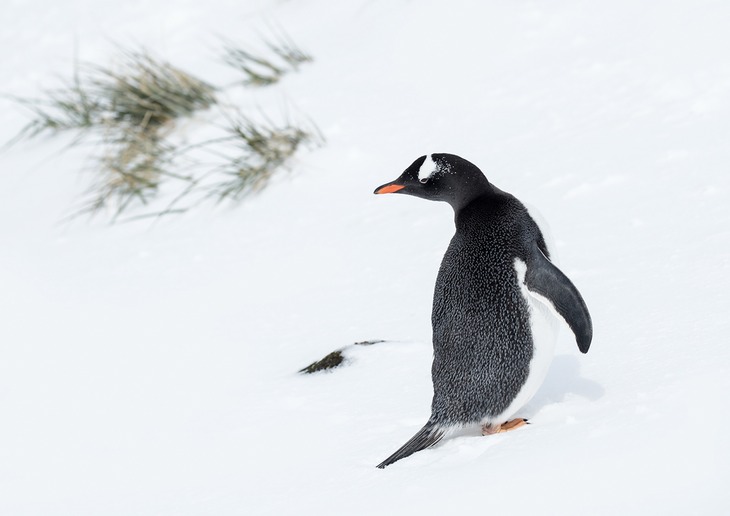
column 482, row 336
column 481, row 330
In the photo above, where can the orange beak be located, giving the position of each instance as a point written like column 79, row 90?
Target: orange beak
column 389, row 189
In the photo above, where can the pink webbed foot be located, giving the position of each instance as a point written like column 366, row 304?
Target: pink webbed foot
column 504, row 427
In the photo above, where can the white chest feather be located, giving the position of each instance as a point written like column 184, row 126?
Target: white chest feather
column 544, row 326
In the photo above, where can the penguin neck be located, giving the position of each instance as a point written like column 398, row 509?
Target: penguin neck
column 476, row 191
column 480, row 208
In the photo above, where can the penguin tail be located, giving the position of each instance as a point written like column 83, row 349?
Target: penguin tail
column 426, row 437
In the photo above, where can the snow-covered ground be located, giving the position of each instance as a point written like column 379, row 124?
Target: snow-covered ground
column 150, row 368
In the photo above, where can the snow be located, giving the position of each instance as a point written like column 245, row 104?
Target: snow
column 151, row 368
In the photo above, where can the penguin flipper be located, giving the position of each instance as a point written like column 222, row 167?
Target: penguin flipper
column 548, row 282
column 426, row 437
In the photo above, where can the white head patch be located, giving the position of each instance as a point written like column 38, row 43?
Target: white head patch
column 428, row 169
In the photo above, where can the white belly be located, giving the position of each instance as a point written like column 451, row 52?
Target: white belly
column 544, row 325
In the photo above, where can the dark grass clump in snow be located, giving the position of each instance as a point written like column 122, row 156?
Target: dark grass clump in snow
column 131, row 109
column 331, row 361
column 336, row 358
column 369, row 342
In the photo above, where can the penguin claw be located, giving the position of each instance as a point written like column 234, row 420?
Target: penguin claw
column 504, row 427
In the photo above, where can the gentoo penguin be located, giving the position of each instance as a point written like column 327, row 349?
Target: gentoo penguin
column 496, row 303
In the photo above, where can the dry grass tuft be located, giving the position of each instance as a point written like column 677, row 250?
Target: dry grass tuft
column 132, row 109
column 261, row 70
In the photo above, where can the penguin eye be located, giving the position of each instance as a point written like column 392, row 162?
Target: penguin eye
column 424, row 180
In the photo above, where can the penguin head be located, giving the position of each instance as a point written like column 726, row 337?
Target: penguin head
column 440, row 177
